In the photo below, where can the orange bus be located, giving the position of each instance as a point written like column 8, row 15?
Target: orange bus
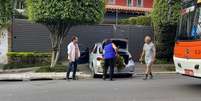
column 187, row 50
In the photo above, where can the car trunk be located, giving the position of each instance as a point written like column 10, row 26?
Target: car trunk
column 122, row 46
column 125, row 56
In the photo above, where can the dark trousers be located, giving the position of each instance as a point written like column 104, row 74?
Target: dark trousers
column 109, row 63
column 72, row 67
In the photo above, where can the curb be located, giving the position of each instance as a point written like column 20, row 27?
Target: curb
column 171, row 72
column 38, row 76
column 52, row 76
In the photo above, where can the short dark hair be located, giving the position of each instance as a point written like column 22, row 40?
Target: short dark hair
column 73, row 37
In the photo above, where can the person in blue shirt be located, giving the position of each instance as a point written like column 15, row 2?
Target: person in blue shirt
column 109, row 54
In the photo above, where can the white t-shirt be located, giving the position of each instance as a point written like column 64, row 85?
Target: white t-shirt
column 149, row 51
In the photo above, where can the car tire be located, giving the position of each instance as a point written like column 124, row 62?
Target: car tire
column 94, row 75
column 130, row 75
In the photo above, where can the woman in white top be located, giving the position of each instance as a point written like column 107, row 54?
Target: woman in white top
column 149, row 51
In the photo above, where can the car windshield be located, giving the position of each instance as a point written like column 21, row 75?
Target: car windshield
column 190, row 24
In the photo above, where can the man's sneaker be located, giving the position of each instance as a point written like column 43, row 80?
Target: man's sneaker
column 75, row 78
column 151, row 76
column 146, row 76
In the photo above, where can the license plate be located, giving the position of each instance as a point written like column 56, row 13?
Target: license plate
column 189, row 72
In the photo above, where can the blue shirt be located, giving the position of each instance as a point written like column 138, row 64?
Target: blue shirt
column 109, row 51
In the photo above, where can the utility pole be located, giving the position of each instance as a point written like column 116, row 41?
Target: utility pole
column 12, row 22
column 116, row 23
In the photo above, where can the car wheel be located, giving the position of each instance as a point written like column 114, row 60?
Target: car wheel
column 130, row 75
column 94, row 75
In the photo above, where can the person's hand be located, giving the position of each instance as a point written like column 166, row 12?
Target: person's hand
column 153, row 60
column 141, row 59
column 69, row 60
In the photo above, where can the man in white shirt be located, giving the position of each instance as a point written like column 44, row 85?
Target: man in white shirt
column 73, row 56
column 149, row 51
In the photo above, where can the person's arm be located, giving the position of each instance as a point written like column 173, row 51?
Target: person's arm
column 78, row 51
column 154, row 54
column 69, row 52
column 115, row 48
column 142, row 54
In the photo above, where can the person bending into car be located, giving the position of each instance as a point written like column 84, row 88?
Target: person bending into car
column 109, row 54
column 73, row 55
column 149, row 51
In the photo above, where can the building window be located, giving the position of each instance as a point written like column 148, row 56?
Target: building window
column 111, row 2
column 139, row 3
column 130, row 3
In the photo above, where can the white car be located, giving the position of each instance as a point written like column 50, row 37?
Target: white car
column 96, row 56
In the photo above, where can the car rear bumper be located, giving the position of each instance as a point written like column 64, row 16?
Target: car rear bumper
column 118, row 73
column 129, row 69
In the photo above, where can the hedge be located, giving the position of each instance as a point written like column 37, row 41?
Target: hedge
column 28, row 58
column 140, row 20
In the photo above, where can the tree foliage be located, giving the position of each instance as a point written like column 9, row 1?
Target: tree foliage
column 60, row 15
column 140, row 20
column 5, row 12
column 68, row 11
column 165, row 24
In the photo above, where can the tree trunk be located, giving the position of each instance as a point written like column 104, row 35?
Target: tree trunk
column 56, row 51
column 58, row 32
column 55, row 57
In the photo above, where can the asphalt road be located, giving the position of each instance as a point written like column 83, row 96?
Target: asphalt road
column 165, row 87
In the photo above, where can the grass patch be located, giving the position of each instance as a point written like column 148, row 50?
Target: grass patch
column 1, row 66
column 170, row 68
column 19, row 66
column 57, row 68
column 162, row 61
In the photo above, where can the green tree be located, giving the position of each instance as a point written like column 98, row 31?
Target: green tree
column 140, row 20
column 5, row 13
column 165, row 25
column 60, row 15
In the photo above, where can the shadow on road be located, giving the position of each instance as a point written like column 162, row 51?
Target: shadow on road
column 193, row 86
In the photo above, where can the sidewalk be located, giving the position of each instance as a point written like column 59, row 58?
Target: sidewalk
column 156, row 68
column 27, row 74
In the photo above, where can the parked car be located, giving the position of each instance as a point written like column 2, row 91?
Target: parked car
column 96, row 58
column 84, row 56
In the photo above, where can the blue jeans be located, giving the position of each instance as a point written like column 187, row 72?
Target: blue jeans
column 72, row 67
